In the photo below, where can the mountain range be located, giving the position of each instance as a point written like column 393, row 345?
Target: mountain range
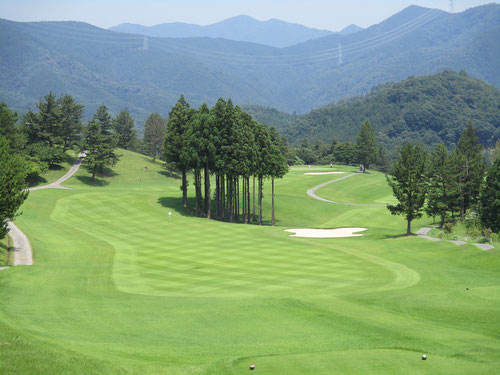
column 274, row 32
column 147, row 75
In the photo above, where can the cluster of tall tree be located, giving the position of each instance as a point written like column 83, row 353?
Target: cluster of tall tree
column 444, row 183
column 224, row 142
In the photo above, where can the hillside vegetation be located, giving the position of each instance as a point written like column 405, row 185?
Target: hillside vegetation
column 98, row 66
column 431, row 109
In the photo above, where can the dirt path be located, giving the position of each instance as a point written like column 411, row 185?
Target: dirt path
column 23, row 253
column 312, row 194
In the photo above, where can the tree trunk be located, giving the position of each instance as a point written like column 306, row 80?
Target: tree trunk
column 254, row 198
column 408, row 228
column 248, row 199
column 184, row 188
column 217, row 190
column 230, row 198
column 244, row 193
column 207, row 191
column 94, row 170
column 237, row 184
column 223, row 197
column 260, row 200
column 272, row 210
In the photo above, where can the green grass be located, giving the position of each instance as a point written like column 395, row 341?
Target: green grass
column 119, row 286
column 5, row 254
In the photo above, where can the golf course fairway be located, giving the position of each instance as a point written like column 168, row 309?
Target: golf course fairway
column 119, row 286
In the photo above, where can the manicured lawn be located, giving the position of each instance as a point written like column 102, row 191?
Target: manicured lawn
column 119, row 286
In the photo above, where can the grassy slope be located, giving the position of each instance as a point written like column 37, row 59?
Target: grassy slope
column 121, row 287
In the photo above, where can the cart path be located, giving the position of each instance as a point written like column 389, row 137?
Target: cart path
column 312, row 193
column 23, row 253
column 424, row 233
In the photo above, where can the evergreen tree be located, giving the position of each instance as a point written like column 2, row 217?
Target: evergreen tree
column 154, row 134
column 125, row 131
column 409, row 183
column 45, row 126
column 99, row 143
column 471, row 166
column 490, row 198
column 366, row 145
column 175, row 140
column 200, row 138
column 442, row 184
column 70, row 126
column 12, row 184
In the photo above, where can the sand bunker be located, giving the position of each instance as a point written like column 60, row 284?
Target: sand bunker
column 326, row 233
column 321, row 173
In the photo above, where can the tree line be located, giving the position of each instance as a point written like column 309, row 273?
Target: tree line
column 447, row 184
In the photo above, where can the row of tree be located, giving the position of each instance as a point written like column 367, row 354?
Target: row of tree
column 365, row 151
column 225, row 142
column 444, row 184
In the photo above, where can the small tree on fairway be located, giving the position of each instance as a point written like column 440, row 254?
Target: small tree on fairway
column 490, row 198
column 366, row 145
column 409, row 183
column 99, row 143
column 125, row 130
column 12, row 185
column 154, row 134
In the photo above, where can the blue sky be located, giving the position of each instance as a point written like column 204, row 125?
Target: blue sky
column 322, row 14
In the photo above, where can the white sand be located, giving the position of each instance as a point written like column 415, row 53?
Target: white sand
column 326, row 233
column 321, row 173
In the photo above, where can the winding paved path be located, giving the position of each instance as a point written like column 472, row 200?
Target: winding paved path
column 23, row 253
column 312, row 194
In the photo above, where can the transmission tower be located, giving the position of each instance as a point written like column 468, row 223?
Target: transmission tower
column 145, row 45
column 452, row 6
column 341, row 59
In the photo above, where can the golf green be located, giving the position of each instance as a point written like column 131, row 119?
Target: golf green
column 121, row 286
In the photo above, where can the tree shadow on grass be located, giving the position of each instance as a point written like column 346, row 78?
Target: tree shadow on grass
column 98, row 182
column 175, row 204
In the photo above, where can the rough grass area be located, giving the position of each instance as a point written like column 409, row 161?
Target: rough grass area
column 121, row 287
column 5, row 253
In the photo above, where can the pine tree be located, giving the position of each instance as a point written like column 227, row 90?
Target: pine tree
column 125, row 131
column 471, row 166
column 154, row 134
column 409, row 183
column 366, row 145
column 175, row 140
column 99, row 143
column 442, row 184
column 278, row 166
column 70, row 121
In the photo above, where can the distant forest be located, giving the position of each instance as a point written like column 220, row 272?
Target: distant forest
column 431, row 109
